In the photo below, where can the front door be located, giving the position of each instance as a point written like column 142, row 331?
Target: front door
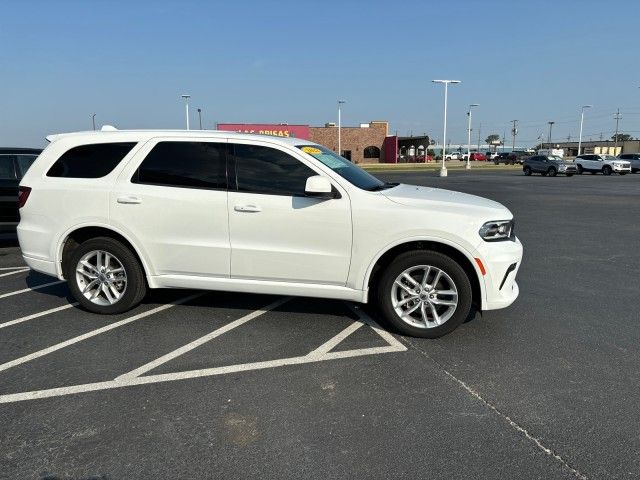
column 277, row 232
column 174, row 202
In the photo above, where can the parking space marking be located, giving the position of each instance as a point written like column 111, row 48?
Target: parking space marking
column 316, row 355
column 37, row 315
column 202, row 340
column 12, row 268
column 37, row 287
column 93, row 333
column 14, row 272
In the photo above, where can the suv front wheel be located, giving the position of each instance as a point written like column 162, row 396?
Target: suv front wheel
column 105, row 277
column 424, row 294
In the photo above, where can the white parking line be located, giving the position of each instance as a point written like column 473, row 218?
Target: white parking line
column 14, row 272
column 37, row 287
column 93, row 333
column 37, row 315
column 196, row 343
column 13, row 268
column 314, row 356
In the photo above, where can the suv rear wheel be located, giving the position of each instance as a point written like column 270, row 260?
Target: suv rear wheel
column 105, row 277
column 527, row 171
column 424, row 294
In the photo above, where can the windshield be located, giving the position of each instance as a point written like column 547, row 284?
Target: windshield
column 345, row 168
column 554, row 158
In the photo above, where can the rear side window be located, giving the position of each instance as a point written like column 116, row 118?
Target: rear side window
column 269, row 171
column 185, row 164
column 90, row 161
column 24, row 162
column 7, row 170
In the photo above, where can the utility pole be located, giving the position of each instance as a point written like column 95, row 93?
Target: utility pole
column 200, row 117
column 514, row 132
column 615, row 146
column 550, row 127
column 479, row 128
column 93, row 120
column 504, row 139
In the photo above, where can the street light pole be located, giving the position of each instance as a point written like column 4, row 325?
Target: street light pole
column 471, row 105
column 200, row 117
column 550, row 127
column 93, row 120
column 443, row 170
column 186, row 107
column 581, row 122
column 340, row 102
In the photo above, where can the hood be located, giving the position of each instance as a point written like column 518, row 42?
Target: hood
column 415, row 196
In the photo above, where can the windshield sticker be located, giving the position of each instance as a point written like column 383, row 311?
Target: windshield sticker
column 311, row 150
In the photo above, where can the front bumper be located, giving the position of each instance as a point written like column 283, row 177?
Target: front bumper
column 501, row 261
column 626, row 169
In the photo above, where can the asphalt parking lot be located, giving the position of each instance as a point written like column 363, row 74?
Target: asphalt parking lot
column 217, row 385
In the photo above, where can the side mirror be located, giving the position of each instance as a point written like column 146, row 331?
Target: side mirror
column 319, row 187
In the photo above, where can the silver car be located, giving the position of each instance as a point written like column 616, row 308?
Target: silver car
column 633, row 159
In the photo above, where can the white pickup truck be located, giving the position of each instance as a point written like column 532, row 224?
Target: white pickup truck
column 607, row 164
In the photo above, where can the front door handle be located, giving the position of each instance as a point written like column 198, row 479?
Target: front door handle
column 247, row 208
column 129, row 199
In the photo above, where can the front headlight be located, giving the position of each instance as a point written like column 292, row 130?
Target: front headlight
column 497, row 230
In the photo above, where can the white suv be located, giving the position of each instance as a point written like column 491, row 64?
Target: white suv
column 118, row 212
column 607, row 164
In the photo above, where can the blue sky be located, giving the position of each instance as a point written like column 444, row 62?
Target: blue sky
column 289, row 61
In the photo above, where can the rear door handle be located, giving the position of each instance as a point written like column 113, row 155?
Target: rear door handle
column 247, row 208
column 129, row 199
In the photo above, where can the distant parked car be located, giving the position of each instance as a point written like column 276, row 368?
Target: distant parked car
column 502, row 157
column 453, row 156
column 607, row 164
column 491, row 155
column 548, row 165
column 518, row 156
column 14, row 163
column 478, row 157
column 633, row 159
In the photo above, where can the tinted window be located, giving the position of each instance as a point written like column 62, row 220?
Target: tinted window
column 24, row 162
column 185, row 164
column 90, row 161
column 266, row 170
column 7, row 171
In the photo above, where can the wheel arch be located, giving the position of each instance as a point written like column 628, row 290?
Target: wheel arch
column 456, row 252
column 80, row 233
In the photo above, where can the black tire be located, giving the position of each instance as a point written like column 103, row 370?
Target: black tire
column 552, row 172
column 527, row 171
column 606, row 170
column 496, row 162
column 580, row 169
column 434, row 259
column 136, row 288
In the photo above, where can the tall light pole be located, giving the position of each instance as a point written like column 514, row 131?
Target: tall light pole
column 93, row 120
column 186, row 107
column 550, row 127
column 340, row 103
column 581, row 122
column 200, row 117
column 514, row 132
column 443, row 170
column 471, row 105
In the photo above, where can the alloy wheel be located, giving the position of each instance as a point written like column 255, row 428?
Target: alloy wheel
column 101, row 278
column 424, row 296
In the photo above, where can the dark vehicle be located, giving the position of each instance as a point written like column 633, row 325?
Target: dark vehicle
column 502, row 158
column 634, row 159
column 548, row 165
column 518, row 156
column 14, row 163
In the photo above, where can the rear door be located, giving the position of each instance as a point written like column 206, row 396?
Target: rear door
column 8, row 191
column 174, row 202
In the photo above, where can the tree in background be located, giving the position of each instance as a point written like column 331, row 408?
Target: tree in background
column 622, row 137
column 494, row 137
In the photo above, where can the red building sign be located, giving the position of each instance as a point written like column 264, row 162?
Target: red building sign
column 276, row 130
